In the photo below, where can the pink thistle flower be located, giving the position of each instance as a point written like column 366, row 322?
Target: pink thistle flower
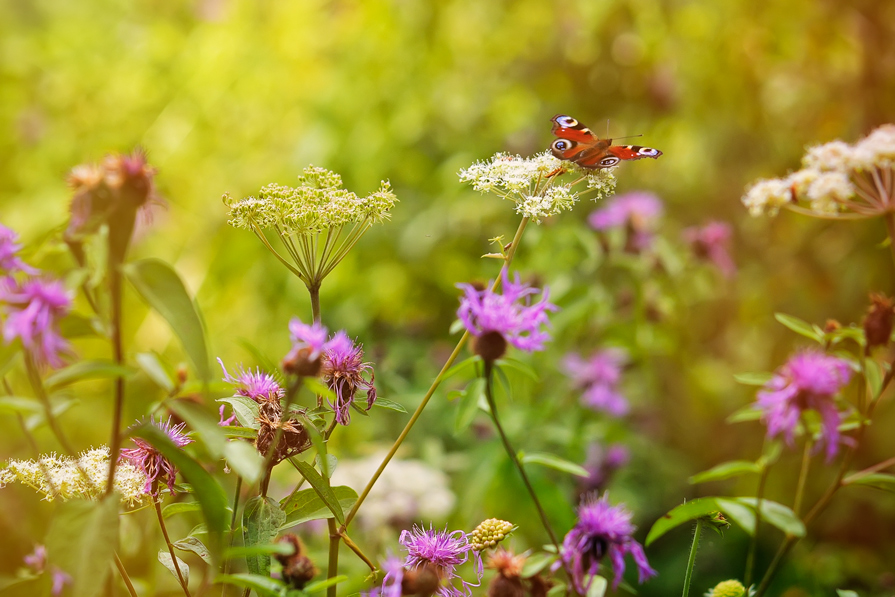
column 260, row 387
column 33, row 310
column 393, row 567
column 344, row 371
column 9, row 247
column 808, row 380
column 445, row 552
column 599, row 377
column 37, row 561
column 602, row 530
column 229, row 420
column 601, row 464
column 712, row 242
column 637, row 212
column 156, row 467
column 308, row 345
column 511, row 314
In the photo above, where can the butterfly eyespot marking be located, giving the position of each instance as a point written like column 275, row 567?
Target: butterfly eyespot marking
column 561, row 145
column 649, row 151
column 609, row 161
column 566, row 121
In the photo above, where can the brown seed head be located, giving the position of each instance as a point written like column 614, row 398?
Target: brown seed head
column 878, row 321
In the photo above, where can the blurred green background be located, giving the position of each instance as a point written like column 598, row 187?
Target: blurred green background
column 226, row 96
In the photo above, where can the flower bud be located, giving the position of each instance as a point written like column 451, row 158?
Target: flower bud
column 878, row 321
column 490, row 346
column 489, row 533
column 727, row 588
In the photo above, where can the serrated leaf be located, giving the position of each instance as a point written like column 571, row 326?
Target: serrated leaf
column 194, row 545
column 755, row 378
column 679, row 515
column 726, row 470
column 555, row 462
column 263, row 585
column 468, row 405
column 883, row 481
column 153, row 367
column 321, row 485
column 316, row 587
column 777, row 515
column 165, row 558
column 161, row 287
column 82, row 540
column 245, row 408
column 261, row 520
column 803, row 328
column 389, row 404
column 180, row 508
column 84, row 370
column 208, row 492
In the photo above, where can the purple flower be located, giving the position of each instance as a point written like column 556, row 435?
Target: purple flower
column 712, row 242
column 308, row 345
column 260, row 387
column 599, row 377
column 391, row 583
column 156, row 467
column 343, row 371
column 809, row 380
column 33, row 310
column 510, row 314
column 444, row 551
column 636, row 212
column 229, row 420
column 37, row 559
column 602, row 530
column 601, row 463
column 9, row 246
column 60, row 579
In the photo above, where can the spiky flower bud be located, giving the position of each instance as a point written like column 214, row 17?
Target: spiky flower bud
column 489, row 533
column 727, row 588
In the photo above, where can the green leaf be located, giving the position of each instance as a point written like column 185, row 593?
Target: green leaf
column 803, row 328
column 747, row 413
column 179, row 508
column 318, row 388
column 389, row 404
column 240, row 432
column 680, row 514
column 18, row 404
column 245, row 408
column 243, row 551
column 518, row 366
column 536, row 563
column 208, row 492
column 153, row 367
column 162, row 288
column 321, row 486
column 742, row 515
column 316, row 587
column 165, row 558
column 726, row 470
column 194, row 545
column 263, row 585
column 466, row 365
column 306, row 505
column 883, row 481
column 82, row 541
column 874, row 375
column 555, row 462
column 468, row 405
column 845, row 593
column 74, row 325
column 598, row 586
column 756, row 378
column 261, row 520
column 777, row 515
column 83, row 370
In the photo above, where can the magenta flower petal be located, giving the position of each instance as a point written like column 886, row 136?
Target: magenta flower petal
column 599, row 376
column 157, row 468
column 345, row 372
column 260, row 387
column 446, row 551
column 33, row 309
column 9, row 248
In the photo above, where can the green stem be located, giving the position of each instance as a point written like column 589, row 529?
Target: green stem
column 124, row 576
column 803, row 476
column 118, row 353
column 691, row 562
column 438, row 379
column 753, row 542
column 890, row 226
column 41, row 393
column 161, row 522
column 868, row 471
column 314, row 290
column 333, row 566
column 232, row 526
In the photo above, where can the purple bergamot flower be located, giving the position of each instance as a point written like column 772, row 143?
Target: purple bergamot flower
column 602, row 531
column 260, row 387
column 156, row 467
column 444, row 552
column 509, row 315
column 344, row 370
column 599, row 376
column 33, row 309
column 809, row 380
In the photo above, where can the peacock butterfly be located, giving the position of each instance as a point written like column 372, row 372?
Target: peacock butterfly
column 578, row 144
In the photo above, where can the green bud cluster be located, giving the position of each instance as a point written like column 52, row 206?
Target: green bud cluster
column 489, row 533
column 728, row 588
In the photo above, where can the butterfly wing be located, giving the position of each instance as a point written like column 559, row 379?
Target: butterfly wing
column 576, row 143
column 633, row 152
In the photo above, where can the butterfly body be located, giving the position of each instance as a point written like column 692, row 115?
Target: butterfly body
column 576, row 143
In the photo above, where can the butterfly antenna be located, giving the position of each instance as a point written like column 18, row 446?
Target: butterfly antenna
column 607, row 128
column 627, row 137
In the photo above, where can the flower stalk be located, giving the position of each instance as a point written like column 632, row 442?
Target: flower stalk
column 691, row 561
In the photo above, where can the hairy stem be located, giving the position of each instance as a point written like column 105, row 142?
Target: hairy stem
column 691, row 562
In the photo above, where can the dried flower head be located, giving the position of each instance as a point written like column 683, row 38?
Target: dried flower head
column 443, row 551
column 158, row 469
column 508, row 580
column 602, row 531
column 809, row 380
column 311, row 219
column 533, row 184
column 879, row 320
column 298, row 569
column 489, row 533
column 83, row 477
column 33, row 309
column 294, row 438
column 836, row 177
column 344, row 371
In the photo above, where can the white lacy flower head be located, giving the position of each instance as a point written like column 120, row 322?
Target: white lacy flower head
column 407, row 491
column 533, row 183
column 318, row 204
column 84, row 477
column 767, row 196
column 876, row 150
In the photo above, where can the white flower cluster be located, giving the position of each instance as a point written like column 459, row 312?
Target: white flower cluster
column 835, row 176
column 84, row 477
column 532, row 183
column 407, row 491
column 318, row 204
